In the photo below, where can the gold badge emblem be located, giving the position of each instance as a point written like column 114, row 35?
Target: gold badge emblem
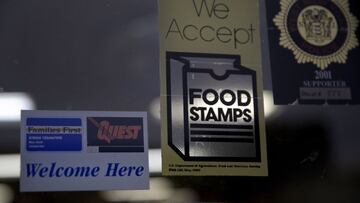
column 318, row 32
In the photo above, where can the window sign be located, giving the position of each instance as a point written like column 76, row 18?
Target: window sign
column 211, row 79
column 75, row 150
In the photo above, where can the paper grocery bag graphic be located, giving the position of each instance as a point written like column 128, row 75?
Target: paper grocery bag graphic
column 212, row 108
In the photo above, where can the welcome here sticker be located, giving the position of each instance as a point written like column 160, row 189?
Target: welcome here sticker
column 74, row 150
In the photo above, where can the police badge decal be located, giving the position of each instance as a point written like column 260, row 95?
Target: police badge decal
column 317, row 31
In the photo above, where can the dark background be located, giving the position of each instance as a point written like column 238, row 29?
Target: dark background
column 103, row 55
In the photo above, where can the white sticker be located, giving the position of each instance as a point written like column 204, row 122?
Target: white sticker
column 82, row 150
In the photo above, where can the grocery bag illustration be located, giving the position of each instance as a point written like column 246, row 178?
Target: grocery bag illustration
column 212, row 108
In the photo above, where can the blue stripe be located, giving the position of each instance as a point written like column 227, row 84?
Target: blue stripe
column 53, row 121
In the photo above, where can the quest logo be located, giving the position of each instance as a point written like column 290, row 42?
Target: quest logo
column 115, row 134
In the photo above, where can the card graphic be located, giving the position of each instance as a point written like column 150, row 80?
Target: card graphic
column 109, row 134
column 218, row 118
column 314, row 51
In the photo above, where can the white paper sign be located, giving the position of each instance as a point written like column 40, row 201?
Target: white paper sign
column 83, row 150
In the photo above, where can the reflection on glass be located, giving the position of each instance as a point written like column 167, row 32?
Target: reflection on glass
column 11, row 105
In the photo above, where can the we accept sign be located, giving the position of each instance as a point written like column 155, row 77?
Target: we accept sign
column 208, row 32
column 211, row 88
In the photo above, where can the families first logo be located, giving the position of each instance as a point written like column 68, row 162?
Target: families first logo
column 216, row 13
column 113, row 134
